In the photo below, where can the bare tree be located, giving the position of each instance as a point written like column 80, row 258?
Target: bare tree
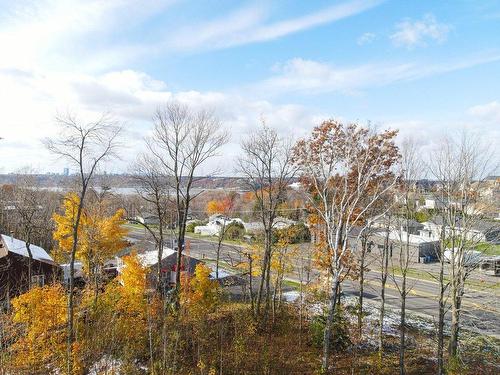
column 28, row 212
column 460, row 165
column 246, row 260
column 342, row 165
column 154, row 190
column 363, row 252
column 224, row 207
column 85, row 146
column 267, row 167
column 183, row 140
column 410, row 169
column 385, row 254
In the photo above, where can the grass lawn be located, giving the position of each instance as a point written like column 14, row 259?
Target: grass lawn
column 291, row 284
column 488, row 249
column 214, row 239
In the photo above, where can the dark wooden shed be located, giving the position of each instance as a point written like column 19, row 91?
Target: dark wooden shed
column 14, row 268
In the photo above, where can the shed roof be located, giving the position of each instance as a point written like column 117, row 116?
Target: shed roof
column 17, row 246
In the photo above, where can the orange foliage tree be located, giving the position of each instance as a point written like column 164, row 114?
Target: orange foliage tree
column 346, row 169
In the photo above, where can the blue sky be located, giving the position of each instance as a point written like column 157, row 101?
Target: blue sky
column 424, row 67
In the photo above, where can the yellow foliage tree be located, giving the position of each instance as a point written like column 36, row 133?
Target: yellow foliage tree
column 64, row 227
column 131, row 305
column 100, row 236
column 282, row 260
column 202, row 294
column 41, row 347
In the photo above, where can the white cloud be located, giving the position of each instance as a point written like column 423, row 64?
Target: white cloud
column 309, row 76
column 247, row 26
column 489, row 112
column 62, row 34
column 366, row 38
column 34, row 98
column 410, row 34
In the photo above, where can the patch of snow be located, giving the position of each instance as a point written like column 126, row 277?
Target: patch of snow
column 222, row 273
column 291, row 296
column 106, row 365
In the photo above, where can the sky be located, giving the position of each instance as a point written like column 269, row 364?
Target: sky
column 427, row 68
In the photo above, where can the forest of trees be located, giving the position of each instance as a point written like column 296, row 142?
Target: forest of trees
column 353, row 181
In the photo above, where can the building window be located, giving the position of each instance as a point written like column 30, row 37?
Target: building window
column 37, row 280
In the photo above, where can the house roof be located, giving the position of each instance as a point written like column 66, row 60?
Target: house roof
column 150, row 258
column 412, row 238
column 17, row 246
column 480, row 225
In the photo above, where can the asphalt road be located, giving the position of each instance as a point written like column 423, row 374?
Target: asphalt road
column 480, row 308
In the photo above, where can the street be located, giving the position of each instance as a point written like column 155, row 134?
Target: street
column 481, row 306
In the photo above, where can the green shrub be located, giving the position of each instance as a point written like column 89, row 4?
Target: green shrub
column 190, row 227
column 234, row 231
column 340, row 339
column 299, row 233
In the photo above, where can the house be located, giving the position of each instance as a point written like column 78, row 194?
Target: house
column 149, row 259
column 421, row 248
column 433, row 204
column 410, row 226
column 283, row 222
column 14, row 267
column 78, row 274
column 253, row 227
column 215, row 225
column 148, row 219
column 258, row 226
column 478, row 231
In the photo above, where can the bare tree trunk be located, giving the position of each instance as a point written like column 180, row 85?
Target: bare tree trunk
column 268, row 281
column 85, row 147
column 327, row 335
column 30, row 263
column 402, row 328
column 385, row 267
column 455, row 326
column 96, row 285
column 250, row 277
column 71, row 306
column 361, row 286
column 442, row 288
column 219, row 244
column 264, row 280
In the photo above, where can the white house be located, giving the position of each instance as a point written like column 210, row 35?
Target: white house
column 470, row 234
column 215, row 225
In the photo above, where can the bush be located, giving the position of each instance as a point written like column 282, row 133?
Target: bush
column 297, row 233
column 422, row 216
column 340, row 339
column 234, row 231
column 195, row 223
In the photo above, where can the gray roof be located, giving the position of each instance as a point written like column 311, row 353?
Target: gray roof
column 17, row 246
